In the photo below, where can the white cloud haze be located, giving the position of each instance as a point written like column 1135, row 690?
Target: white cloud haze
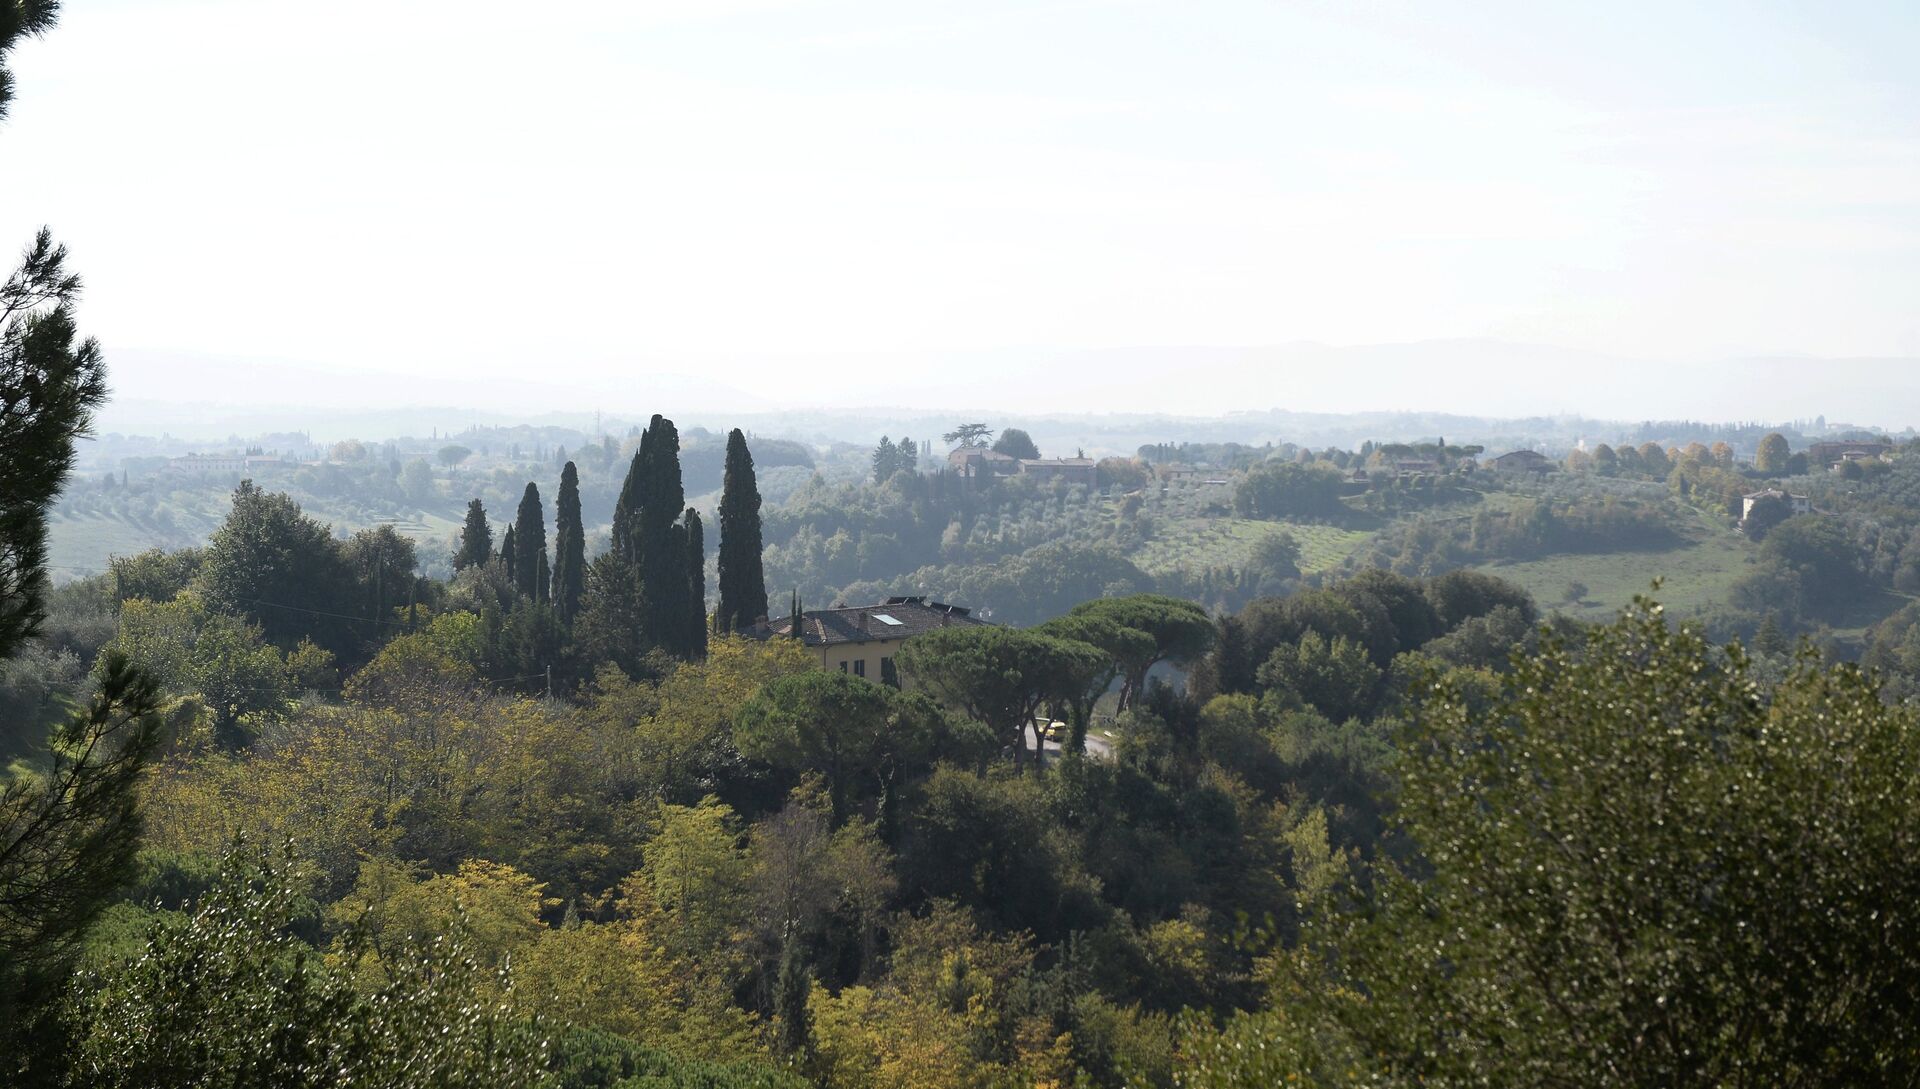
column 540, row 206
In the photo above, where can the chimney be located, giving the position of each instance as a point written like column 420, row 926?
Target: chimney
column 863, row 621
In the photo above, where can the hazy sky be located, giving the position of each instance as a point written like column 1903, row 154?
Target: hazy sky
column 561, row 201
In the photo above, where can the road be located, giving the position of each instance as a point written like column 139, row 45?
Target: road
column 1097, row 747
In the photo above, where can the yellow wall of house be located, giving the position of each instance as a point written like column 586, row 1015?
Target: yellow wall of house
column 833, row 655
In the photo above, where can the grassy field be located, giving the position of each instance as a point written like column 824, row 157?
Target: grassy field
column 1229, row 542
column 82, row 544
column 1696, row 574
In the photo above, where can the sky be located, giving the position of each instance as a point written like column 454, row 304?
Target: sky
column 647, row 204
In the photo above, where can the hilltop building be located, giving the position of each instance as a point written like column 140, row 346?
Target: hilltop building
column 863, row 639
column 224, row 463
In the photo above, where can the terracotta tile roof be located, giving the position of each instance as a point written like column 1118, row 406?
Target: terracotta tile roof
column 896, row 618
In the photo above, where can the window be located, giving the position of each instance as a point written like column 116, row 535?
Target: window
column 843, row 667
column 860, row 667
column 885, row 619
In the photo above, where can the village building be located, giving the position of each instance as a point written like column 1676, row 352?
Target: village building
column 224, row 463
column 1831, row 454
column 1798, row 504
column 1072, row 470
column 980, row 461
column 1522, row 461
column 864, row 639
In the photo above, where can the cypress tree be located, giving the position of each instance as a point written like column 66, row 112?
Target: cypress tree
column 506, row 552
column 569, row 547
column 798, row 618
column 790, row 1003
column 530, row 545
column 743, row 584
column 695, row 631
column 476, row 539
column 626, row 510
column 662, row 540
column 884, row 460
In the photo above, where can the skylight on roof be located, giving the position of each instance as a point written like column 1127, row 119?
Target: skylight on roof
column 885, row 619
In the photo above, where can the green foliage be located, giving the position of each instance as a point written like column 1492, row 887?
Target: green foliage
column 1016, row 443
column 855, row 733
column 1773, row 454
column 476, row 538
column 225, row 995
column 530, row 545
column 1279, row 490
column 1180, row 632
column 191, row 650
column 49, row 385
column 1642, row 872
column 1335, row 677
column 999, row 676
column 743, row 584
column 68, row 834
column 283, row 571
column 156, row 574
column 569, row 547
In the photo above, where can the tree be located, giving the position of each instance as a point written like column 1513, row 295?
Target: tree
column 416, row 481
column 1640, row 872
column 1773, row 453
column 569, row 547
column 454, row 455
column 530, row 544
column 1016, row 443
column 834, row 723
column 508, row 557
column 884, row 460
column 68, row 828
column 998, row 676
column 743, row 584
column 1089, row 677
column 1335, row 676
column 972, row 434
column 68, row 833
column 384, row 563
column 1180, row 632
column 476, row 538
column 284, row 571
column 225, row 994
column 1765, row 513
column 190, row 650
column 693, row 638
column 1278, row 490
column 49, row 385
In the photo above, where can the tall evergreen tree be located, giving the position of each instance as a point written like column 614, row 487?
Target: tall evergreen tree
column 476, row 539
column 662, row 540
column 885, row 460
column 743, row 584
column 49, row 385
column 626, row 510
column 68, row 831
column 506, row 553
column 569, row 547
column 694, row 633
column 530, row 545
